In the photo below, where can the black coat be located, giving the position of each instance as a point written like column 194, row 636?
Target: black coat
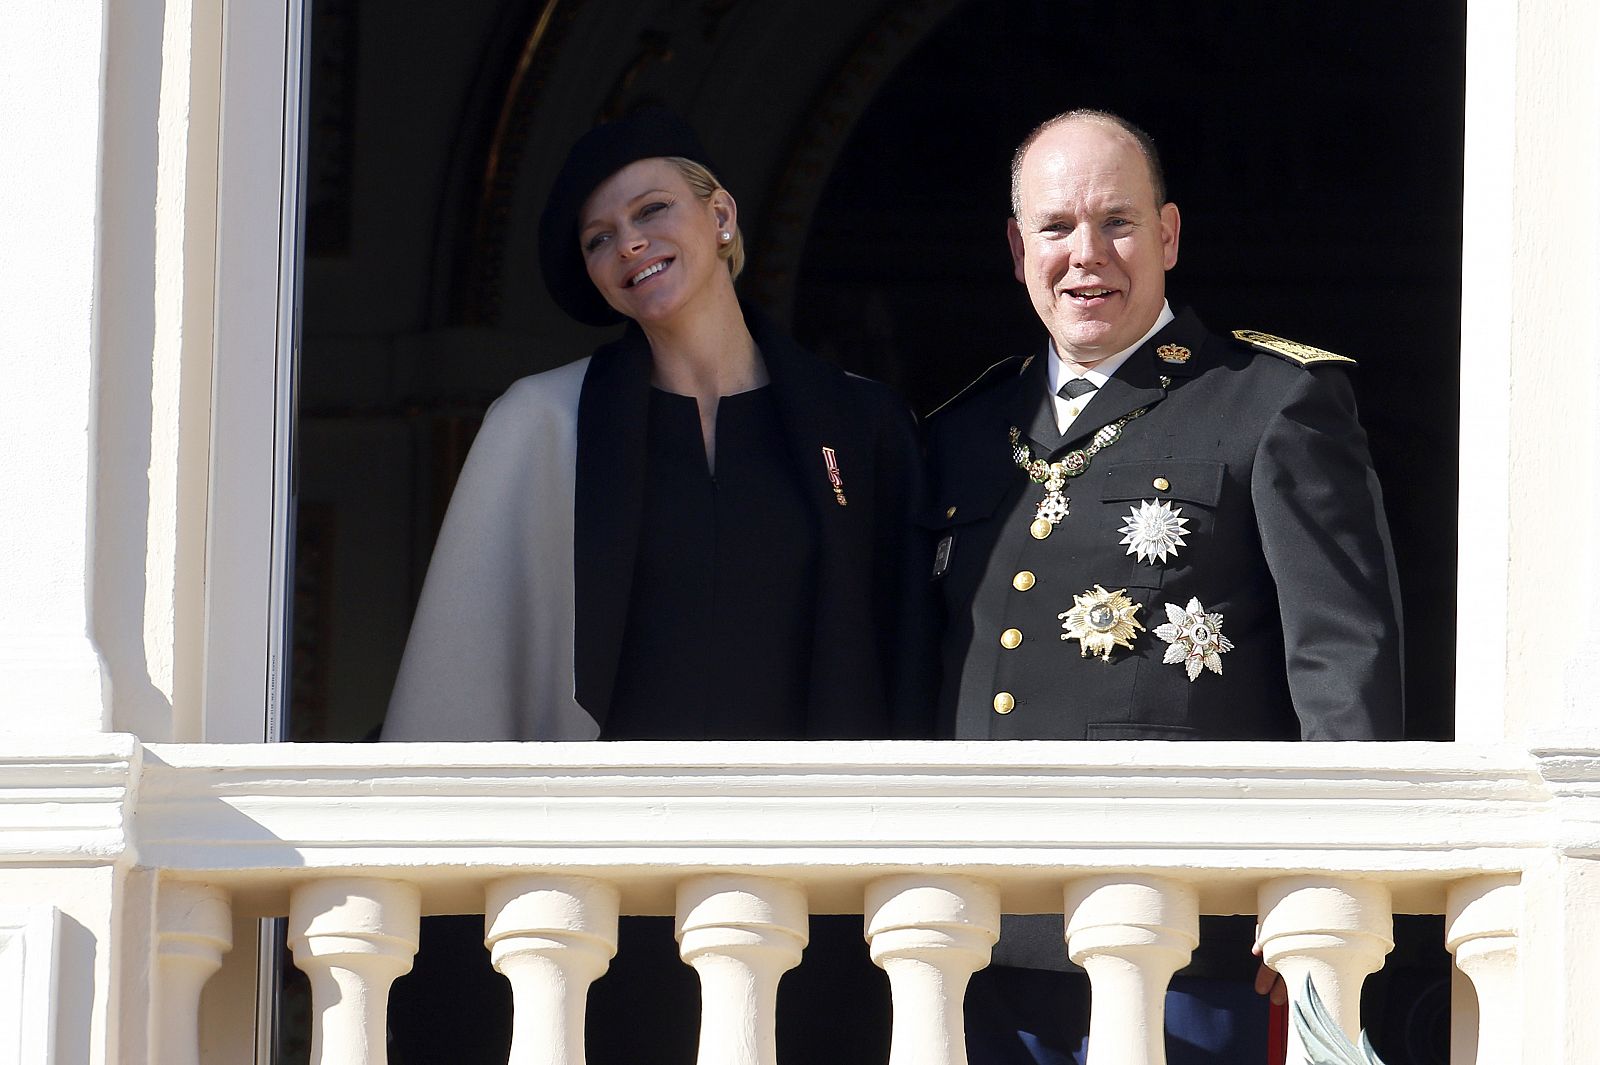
column 1286, row 538
column 521, row 621
column 870, row 673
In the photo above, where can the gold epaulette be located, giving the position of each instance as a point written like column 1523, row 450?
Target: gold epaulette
column 1292, row 350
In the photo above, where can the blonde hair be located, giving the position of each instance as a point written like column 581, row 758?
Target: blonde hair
column 702, row 182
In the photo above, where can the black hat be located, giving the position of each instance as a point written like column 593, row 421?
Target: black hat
column 649, row 133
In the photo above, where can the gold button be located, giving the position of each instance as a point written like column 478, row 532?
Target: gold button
column 950, row 513
column 1040, row 528
column 1162, row 484
column 1023, row 580
column 1010, row 638
column 1004, row 703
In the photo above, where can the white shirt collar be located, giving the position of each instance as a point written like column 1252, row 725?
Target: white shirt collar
column 1067, row 410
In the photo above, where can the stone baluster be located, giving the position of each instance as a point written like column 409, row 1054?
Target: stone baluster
column 352, row 936
column 741, row 934
column 1130, row 933
column 930, row 934
column 1335, row 931
column 551, row 937
column 1483, row 921
column 194, row 929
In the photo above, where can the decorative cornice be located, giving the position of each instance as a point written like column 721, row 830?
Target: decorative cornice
column 839, row 814
column 833, row 815
column 1572, row 777
column 67, row 801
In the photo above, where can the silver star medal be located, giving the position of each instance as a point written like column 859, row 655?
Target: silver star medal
column 1196, row 639
column 1154, row 531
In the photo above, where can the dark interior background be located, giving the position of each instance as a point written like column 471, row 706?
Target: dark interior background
column 1315, row 151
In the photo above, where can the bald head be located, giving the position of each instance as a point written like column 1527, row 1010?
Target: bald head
column 1091, row 238
column 1139, row 138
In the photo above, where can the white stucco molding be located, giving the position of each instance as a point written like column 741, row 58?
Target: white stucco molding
column 28, row 991
column 66, row 801
column 835, row 816
column 1571, row 774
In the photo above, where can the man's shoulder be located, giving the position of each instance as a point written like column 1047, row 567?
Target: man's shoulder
column 1294, row 352
column 1261, row 366
column 983, row 387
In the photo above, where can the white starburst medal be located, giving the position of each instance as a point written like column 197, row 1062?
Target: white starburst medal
column 1195, row 637
column 1154, row 531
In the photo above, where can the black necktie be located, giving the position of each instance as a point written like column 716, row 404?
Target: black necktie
column 1076, row 388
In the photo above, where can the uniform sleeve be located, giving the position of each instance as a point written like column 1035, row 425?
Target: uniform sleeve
column 1326, row 541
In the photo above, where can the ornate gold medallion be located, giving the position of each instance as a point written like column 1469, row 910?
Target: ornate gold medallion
column 1195, row 637
column 1056, row 505
column 1101, row 621
column 1173, row 353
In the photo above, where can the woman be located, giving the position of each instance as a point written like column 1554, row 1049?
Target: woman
column 698, row 532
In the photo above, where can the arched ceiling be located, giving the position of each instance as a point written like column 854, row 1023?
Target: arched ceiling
column 774, row 87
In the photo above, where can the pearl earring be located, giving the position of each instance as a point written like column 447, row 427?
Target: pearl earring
column 725, row 236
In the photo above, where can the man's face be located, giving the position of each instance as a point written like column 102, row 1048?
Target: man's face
column 1091, row 243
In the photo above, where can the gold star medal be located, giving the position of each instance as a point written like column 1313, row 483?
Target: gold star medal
column 1154, row 530
column 1100, row 621
column 1196, row 639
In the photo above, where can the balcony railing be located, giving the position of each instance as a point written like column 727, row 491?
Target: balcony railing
column 931, row 842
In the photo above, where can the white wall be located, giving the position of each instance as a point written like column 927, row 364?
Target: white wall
column 50, row 100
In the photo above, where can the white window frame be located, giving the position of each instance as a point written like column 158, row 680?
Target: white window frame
column 1483, row 560
column 256, row 328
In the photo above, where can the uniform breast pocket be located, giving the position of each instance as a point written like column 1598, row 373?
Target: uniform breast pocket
column 1161, row 507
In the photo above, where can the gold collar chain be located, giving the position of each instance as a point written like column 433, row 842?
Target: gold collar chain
column 1053, row 475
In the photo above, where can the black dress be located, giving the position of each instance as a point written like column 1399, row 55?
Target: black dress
column 718, row 646
column 718, row 638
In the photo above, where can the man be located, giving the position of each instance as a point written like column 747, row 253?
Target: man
column 1147, row 530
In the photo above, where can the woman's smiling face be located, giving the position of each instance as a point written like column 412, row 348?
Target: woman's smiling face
column 650, row 244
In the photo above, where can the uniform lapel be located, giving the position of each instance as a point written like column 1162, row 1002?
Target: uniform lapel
column 972, row 480
column 1031, row 409
column 608, row 504
column 1137, row 382
column 1134, row 385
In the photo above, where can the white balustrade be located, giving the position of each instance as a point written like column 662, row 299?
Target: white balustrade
column 352, row 937
column 194, row 929
column 1130, row 933
column 741, row 934
column 551, row 937
column 1483, row 921
column 930, row 934
column 1336, row 931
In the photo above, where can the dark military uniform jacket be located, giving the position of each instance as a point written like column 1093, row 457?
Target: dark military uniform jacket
column 1260, row 454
